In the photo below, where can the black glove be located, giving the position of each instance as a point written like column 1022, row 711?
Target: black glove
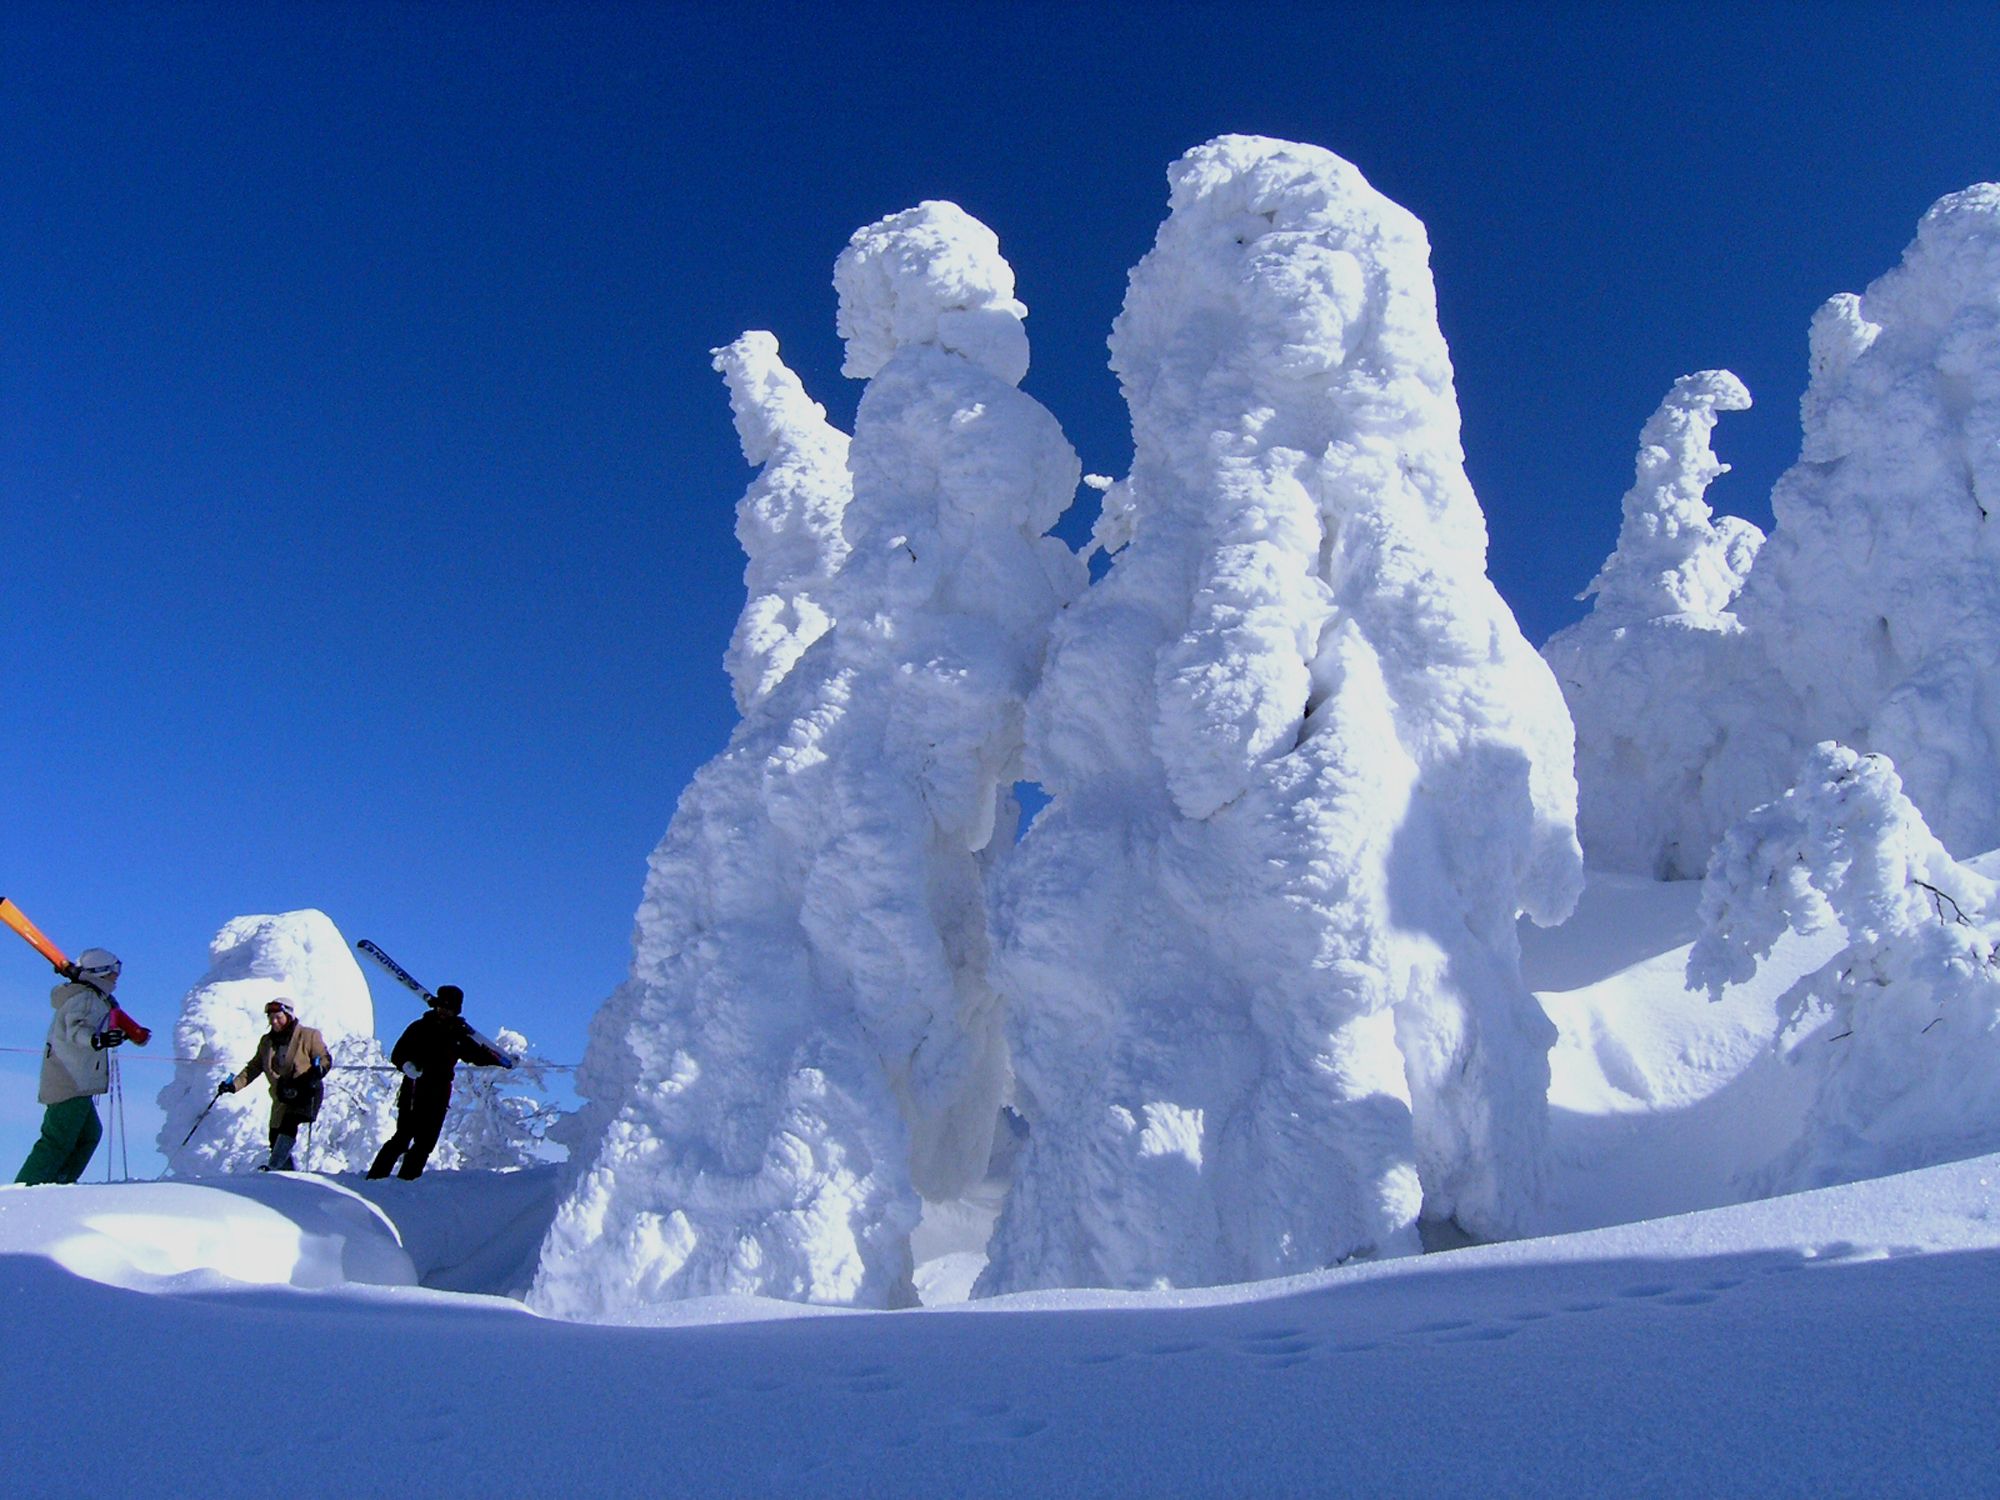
column 227, row 1086
column 100, row 1040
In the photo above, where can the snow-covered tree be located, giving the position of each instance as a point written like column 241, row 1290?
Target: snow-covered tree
column 1877, row 597
column 1870, row 616
column 807, row 1040
column 1260, row 949
column 298, row 956
column 1667, row 737
column 499, row 1117
column 788, row 521
column 1907, row 1011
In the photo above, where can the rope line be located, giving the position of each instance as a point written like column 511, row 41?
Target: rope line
column 547, row 1067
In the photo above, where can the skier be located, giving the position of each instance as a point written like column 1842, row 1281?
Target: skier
column 428, row 1053
column 75, row 1068
column 295, row 1059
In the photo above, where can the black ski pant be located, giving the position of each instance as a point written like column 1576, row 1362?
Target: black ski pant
column 419, row 1118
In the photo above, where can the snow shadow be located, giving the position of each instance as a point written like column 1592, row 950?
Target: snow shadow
column 1818, row 1368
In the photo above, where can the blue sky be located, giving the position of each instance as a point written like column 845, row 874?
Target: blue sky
column 366, row 540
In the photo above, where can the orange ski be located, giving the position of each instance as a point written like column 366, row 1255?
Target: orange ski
column 17, row 919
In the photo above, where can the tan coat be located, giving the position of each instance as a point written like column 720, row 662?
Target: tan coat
column 285, row 1058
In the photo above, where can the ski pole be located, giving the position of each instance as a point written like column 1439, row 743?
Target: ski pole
column 197, row 1121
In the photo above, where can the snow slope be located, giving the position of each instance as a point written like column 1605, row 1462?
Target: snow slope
column 1834, row 1342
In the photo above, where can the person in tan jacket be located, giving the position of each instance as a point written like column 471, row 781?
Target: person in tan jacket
column 295, row 1059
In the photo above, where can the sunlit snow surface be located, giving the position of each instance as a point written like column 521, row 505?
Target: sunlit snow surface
column 1833, row 1342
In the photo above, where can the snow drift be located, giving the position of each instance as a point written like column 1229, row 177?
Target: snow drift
column 1305, row 773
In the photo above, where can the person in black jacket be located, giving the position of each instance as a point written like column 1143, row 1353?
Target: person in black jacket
column 428, row 1053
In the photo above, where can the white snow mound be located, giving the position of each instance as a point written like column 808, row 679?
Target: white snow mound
column 185, row 1236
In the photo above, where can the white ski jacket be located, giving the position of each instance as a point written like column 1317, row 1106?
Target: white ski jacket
column 71, row 1067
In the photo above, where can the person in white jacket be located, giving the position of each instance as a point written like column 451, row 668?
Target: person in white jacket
column 75, row 1069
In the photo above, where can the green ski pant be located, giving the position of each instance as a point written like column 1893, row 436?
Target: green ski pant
column 70, row 1133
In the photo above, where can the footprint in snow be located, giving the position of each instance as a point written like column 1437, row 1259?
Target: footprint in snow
column 1007, row 1430
column 992, row 1422
column 1282, row 1348
column 1488, row 1334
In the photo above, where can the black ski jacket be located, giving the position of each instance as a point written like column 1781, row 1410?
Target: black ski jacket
column 437, row 1042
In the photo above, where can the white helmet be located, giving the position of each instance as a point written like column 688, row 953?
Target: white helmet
column 98, row 963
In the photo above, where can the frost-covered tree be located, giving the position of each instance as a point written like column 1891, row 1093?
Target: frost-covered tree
column 299, row 956
column 499, row 1117
column 1674, row 557
column 1260, row 949
column 1870, row 616
column 1666, row 735
column 807, row 1041
column 1908, row 1009
column 1877, row 597
column 788, row 521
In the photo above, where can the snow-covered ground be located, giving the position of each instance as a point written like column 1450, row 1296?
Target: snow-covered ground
column 258, row 1335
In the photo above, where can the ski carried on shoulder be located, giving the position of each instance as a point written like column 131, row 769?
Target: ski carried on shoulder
column 396, row 969
column 17, row 919
column 403, row 975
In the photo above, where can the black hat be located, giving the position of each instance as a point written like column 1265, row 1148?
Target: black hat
column 450, row 997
